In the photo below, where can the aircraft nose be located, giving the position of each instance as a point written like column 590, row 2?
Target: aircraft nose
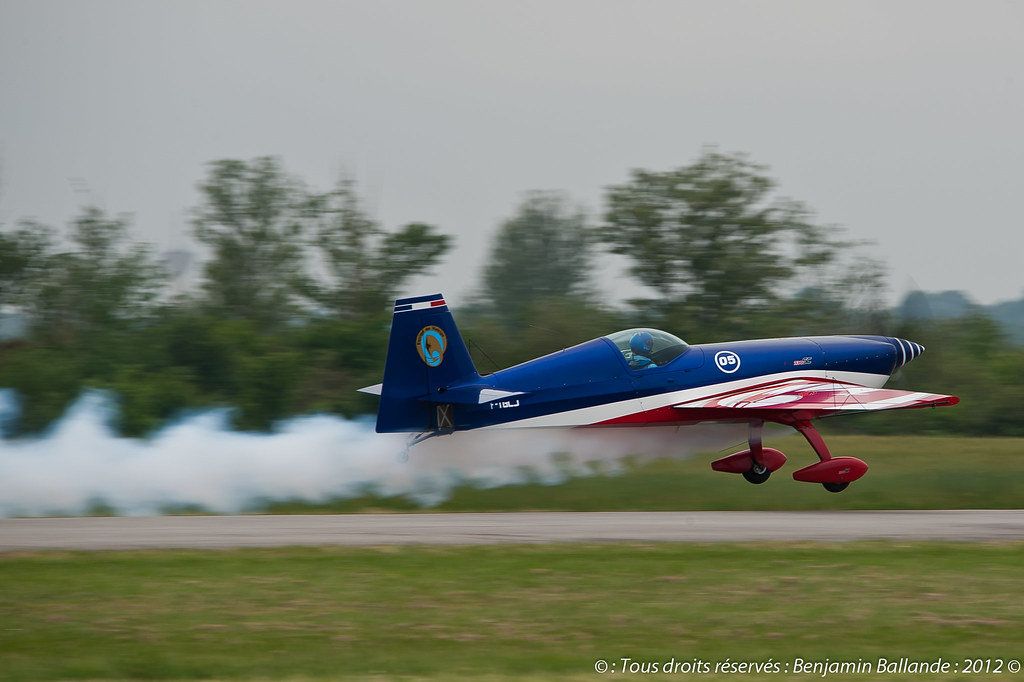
column 906, row 351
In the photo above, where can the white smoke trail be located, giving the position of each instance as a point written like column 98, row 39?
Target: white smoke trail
column 200, row 462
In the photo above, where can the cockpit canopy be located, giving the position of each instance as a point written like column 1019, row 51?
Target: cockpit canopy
column 665, row 349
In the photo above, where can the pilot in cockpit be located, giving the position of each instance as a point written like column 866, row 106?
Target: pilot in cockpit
column 642, row 346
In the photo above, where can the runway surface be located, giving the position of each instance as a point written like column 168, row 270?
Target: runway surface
column 216, row 532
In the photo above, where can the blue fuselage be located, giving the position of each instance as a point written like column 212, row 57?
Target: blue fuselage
column 593, row 384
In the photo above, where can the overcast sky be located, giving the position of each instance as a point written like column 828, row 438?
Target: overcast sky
column 901, row 121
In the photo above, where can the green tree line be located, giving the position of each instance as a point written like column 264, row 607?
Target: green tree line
column 292, row 313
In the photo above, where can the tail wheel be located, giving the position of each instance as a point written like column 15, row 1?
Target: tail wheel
column 836, row 487
column 757, row 474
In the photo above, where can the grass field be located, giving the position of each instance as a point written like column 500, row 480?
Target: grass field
column 550, row 612
column 504, row 613
column 905, row 473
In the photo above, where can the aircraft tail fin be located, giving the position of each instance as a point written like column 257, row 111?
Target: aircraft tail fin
column 426, row 355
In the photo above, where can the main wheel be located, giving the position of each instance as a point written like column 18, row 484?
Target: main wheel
column 836, row 487
column 757, row 474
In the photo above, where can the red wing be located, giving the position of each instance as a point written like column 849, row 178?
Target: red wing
column 819, row 395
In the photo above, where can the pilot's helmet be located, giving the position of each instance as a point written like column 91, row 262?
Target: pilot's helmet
column 642, row 343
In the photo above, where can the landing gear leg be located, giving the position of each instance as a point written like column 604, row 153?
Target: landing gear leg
column 757, row 463
column 758, row 473
column 833, row 473
column 808, row 431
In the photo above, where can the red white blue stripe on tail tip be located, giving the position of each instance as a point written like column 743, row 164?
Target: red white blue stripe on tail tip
column 405, row 305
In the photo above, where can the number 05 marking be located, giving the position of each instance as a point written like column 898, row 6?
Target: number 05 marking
column 727, row 361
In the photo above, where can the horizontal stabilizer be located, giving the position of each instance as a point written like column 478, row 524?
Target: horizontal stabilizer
column 372, row 390
column 472, row 395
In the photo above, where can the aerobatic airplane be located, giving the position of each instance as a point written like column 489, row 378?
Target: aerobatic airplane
column 645, row 377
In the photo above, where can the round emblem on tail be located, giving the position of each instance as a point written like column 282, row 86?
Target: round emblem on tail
column 431, row 344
